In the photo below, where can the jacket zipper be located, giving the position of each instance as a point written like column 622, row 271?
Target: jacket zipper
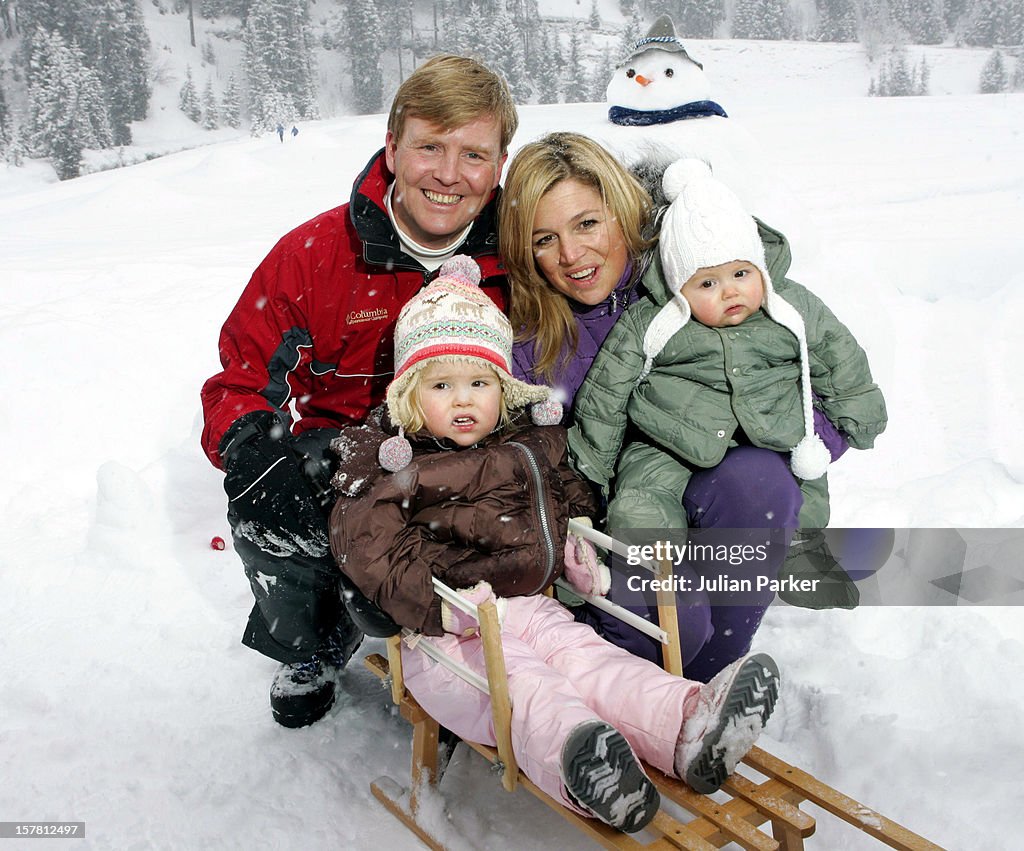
column 546, row 537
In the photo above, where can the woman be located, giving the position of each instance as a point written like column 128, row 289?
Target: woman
column 576, row 232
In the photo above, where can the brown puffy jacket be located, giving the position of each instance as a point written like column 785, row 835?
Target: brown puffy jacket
column 497, row 512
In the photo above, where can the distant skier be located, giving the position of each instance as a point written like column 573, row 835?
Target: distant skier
column 280, row 132
column 295, row 131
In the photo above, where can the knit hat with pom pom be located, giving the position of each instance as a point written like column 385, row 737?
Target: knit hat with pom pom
column 705, row 225
column 453, row 318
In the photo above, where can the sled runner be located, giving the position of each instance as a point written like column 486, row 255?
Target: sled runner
column 758, row 806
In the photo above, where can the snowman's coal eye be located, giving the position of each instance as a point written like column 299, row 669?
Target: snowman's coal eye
column 669, row 72
column 631, row 73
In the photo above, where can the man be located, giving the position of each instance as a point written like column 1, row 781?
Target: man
column 308, row 349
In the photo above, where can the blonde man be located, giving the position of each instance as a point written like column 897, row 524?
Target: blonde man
column 307, row 350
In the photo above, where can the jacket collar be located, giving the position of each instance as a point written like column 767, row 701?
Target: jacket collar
column 373, row 226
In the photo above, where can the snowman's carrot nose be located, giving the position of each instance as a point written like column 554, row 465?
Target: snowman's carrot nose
column 642, row 80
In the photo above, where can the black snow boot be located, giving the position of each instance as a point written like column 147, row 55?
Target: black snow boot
column 811, row 576
column 602, row 776
column 302, row 693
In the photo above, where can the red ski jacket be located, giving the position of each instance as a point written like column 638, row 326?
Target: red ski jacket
column 311, row 337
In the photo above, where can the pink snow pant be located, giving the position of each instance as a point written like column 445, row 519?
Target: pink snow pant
column 561, row 674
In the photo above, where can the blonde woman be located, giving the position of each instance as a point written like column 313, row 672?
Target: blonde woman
column 576, row 233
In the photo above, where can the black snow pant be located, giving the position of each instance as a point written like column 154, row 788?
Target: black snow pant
column 298, row 599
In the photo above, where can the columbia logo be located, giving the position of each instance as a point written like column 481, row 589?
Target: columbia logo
column 357, row 316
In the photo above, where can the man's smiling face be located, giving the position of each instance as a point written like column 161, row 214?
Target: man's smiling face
column 443, row 177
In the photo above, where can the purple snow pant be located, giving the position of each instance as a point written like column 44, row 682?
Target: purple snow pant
column 750, row 490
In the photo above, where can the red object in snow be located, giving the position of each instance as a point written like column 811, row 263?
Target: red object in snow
column 217, row 543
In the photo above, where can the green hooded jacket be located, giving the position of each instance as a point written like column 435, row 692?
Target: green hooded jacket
column 640, row 437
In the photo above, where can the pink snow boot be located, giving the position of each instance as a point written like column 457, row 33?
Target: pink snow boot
column 725, row 720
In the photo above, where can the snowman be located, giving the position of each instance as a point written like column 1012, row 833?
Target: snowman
column 661, row 108
column 659, row 82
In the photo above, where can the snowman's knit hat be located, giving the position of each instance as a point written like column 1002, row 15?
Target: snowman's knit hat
column 661, row 36
column 705, row 225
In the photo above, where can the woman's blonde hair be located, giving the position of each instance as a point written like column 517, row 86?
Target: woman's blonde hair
column 538, row 311
column 404, row 407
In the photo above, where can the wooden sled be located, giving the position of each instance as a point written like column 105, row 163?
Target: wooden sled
column 764, row 793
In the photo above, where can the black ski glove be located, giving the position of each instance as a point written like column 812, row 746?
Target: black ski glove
column 271, row 500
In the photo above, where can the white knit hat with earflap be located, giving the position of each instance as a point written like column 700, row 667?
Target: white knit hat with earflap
column 452, row 318
column 705, row 225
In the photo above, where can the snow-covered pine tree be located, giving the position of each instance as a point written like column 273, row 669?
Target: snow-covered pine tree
column 7, row 27
column 697, row 18
column 188, row 97
column 1017, row 78
column 114, row 43
column 364, row 51
column 576, row 84
column 278, row 56
column 760, row 19
column 546, row 70
column 881, row 89
column 231, row 105
column 929, row 24
column 954, row 11
column 877, row 30
column 121, row 58
column 901, row 78
column 993, row 74
column 594, row 21
column 600, row 73
column 65, row 102
column 924, row 77
column 995, row 22
column 210, row 9
column 504, row 52
column 921, row 20
column 5, row 119
column 211, row 114
column 837, row 21
column 632, row 32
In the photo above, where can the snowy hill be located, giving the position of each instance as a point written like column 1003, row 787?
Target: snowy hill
column 126, row 700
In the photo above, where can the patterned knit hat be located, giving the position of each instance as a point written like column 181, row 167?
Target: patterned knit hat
column 706, row 225
column 453, row 318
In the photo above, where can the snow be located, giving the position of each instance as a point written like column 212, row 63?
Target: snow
column 126, row 699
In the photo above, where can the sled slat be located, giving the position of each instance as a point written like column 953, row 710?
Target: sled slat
column 766, row 799
column 853, row 812
column 680, row 835
column 713, row 818
column 497, row 682
column 390, row 794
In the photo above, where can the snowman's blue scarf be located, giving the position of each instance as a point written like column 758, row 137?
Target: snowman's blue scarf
column 641, row 118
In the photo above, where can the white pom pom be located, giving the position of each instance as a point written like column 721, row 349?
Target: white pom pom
column 810, row 458
column 461, row 267
column 395, row 453
column 682, row 172
column 546, row 413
